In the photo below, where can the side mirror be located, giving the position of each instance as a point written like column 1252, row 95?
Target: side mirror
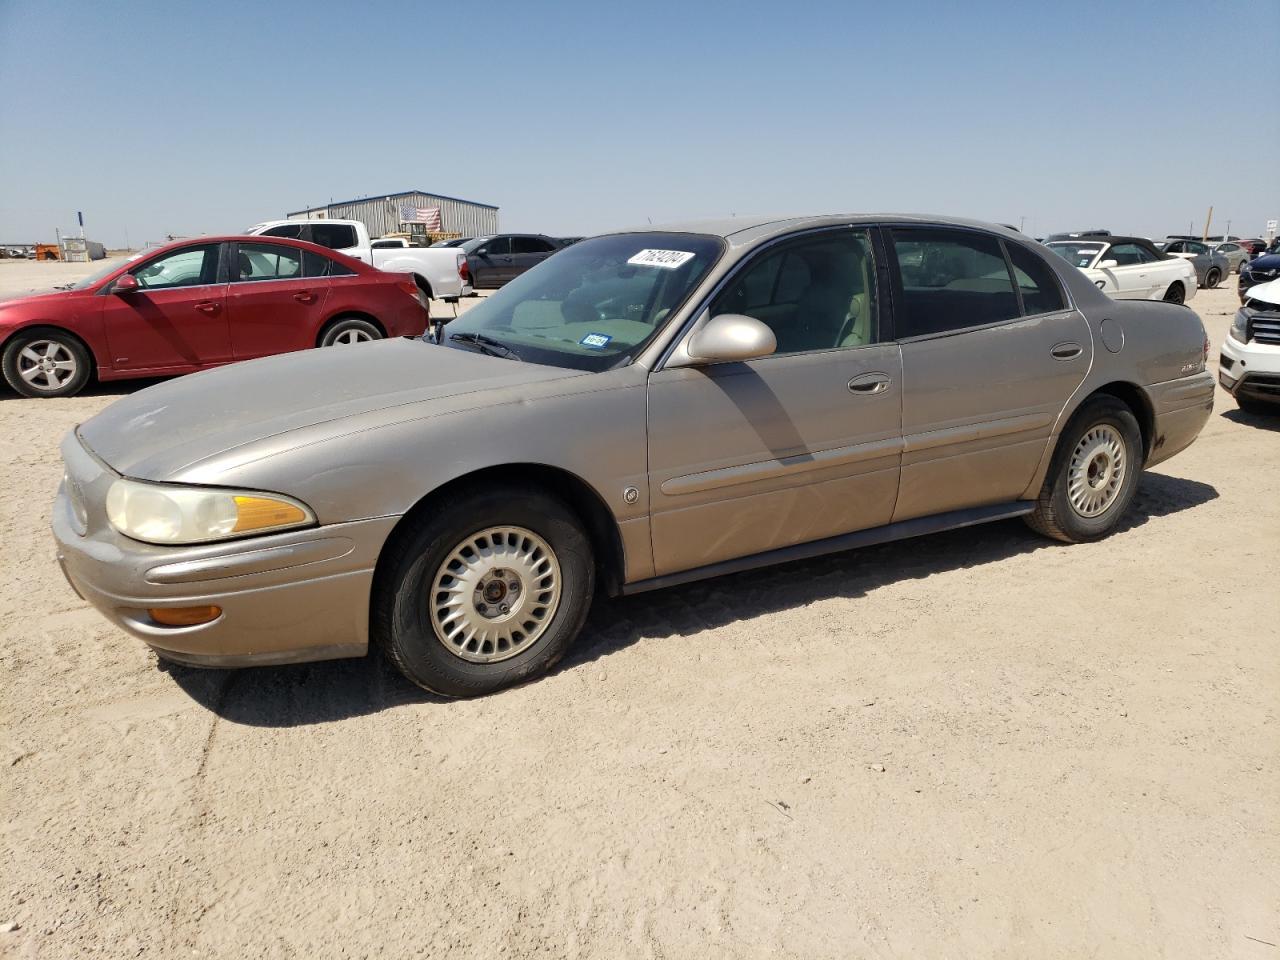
column 125, row 283
column 731, row 337
column 1108, row 264
column 483, row 252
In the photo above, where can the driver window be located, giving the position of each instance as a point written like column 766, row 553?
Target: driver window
column 814, row 294
column 188, row 267
column 498, row 246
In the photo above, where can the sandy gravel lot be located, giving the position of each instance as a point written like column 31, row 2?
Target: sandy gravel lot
column 979, row 744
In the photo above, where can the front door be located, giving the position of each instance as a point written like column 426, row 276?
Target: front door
column 794, row 447
column 528, row 252
column 987, row 366
column 273, row 305
column 1134, row 275
column 493, row 263
column 176, row 320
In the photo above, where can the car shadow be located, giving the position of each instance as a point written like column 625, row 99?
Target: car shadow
column 334, row 690
column 1263, row 421
column 95, row 388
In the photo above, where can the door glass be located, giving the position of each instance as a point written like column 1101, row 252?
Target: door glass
column 267, row 261
column 188, row 267
column 1036, row 282
column 498, row 246
column 335, row 236
column 529, row 245
column 814, row 294
column 951, row 280
column 1127, row 255
column 317, row 265
column 291, row 230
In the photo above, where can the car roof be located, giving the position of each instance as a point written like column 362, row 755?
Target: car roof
column 254, row 238
column 741, row 231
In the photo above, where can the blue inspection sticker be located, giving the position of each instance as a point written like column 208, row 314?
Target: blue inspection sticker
column 596, row 341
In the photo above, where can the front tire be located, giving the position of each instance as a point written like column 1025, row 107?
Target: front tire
column 485, row 592
column 1093, row 475
column 46, row 363
column 1212, row 279
column 346, row 331
column 1176, row 293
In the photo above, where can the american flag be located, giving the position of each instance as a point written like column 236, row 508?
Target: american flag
column 430, row 216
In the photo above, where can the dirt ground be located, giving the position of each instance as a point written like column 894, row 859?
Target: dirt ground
column 977, row 744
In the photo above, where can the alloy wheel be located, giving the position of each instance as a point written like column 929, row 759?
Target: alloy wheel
column 353, row 335
column 495, row 594
column 1096, row 471
column 46, row 365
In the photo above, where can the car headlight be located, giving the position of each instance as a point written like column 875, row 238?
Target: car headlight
column 160, row 513
column 1240, row 327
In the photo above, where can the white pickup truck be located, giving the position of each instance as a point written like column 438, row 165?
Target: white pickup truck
column 440, row 272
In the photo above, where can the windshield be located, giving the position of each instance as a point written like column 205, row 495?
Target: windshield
column 1077, row 254
column 98, row 275
column 594, row 303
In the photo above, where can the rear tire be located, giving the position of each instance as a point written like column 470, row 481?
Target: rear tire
column 1176, row 293
column 345, row 331
column 432, row 611
column 43, row 362
column 1093, row 475
column 1212, row 279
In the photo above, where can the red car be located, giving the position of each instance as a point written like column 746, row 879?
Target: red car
column 201, row 303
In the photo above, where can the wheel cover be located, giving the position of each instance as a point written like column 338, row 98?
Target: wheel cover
column 1096, row 471
column 46, row 365
column 495, row 594
column 1174, row 295
column 349, row 336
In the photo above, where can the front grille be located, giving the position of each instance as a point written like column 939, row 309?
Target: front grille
column 1264, row 328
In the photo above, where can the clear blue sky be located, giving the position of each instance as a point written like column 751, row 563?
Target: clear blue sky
column 187, row 118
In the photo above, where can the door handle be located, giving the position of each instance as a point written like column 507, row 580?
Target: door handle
column 1066, row 351
column 207, row 306
column 305, row 297
column 869, row 384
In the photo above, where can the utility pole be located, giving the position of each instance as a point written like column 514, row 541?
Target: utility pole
column 1207, row 220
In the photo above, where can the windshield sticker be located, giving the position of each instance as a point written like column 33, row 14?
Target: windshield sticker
column 667, row 259
column 596, row 341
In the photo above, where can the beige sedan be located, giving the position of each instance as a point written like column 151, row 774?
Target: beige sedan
column 645, row 408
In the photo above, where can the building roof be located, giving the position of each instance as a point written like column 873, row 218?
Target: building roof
column 390, row 196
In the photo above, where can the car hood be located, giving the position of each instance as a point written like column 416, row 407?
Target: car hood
column 156, row 432
column 1268, row 292
column 42, row 296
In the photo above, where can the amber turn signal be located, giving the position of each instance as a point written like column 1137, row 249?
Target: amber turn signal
column 184, row 616
column 261, row 513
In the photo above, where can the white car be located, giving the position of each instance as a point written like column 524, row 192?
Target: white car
column 1130, row 268
column 441, row 273
column 1249, row 362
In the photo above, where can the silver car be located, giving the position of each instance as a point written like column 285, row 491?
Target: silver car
column 1211, row 266
column 645, row 408
column 1237, row 256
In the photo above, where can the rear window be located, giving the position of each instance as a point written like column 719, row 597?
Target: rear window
column 291, row 230
column 1037, row 284
column 317, row 265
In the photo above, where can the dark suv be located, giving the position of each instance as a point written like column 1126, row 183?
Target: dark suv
column 1260, row 269
column 495, row 260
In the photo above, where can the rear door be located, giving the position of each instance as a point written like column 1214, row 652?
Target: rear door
column 793, row 447
column 177, row 319
column 275, row 301
column 987, row 365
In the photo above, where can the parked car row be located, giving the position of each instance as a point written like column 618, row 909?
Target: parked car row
column 1130, row 268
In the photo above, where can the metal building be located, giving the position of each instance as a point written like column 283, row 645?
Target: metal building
column 385, row 213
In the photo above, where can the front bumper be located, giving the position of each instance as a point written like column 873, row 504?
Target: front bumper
column 290, row 597
column 1250, row 370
